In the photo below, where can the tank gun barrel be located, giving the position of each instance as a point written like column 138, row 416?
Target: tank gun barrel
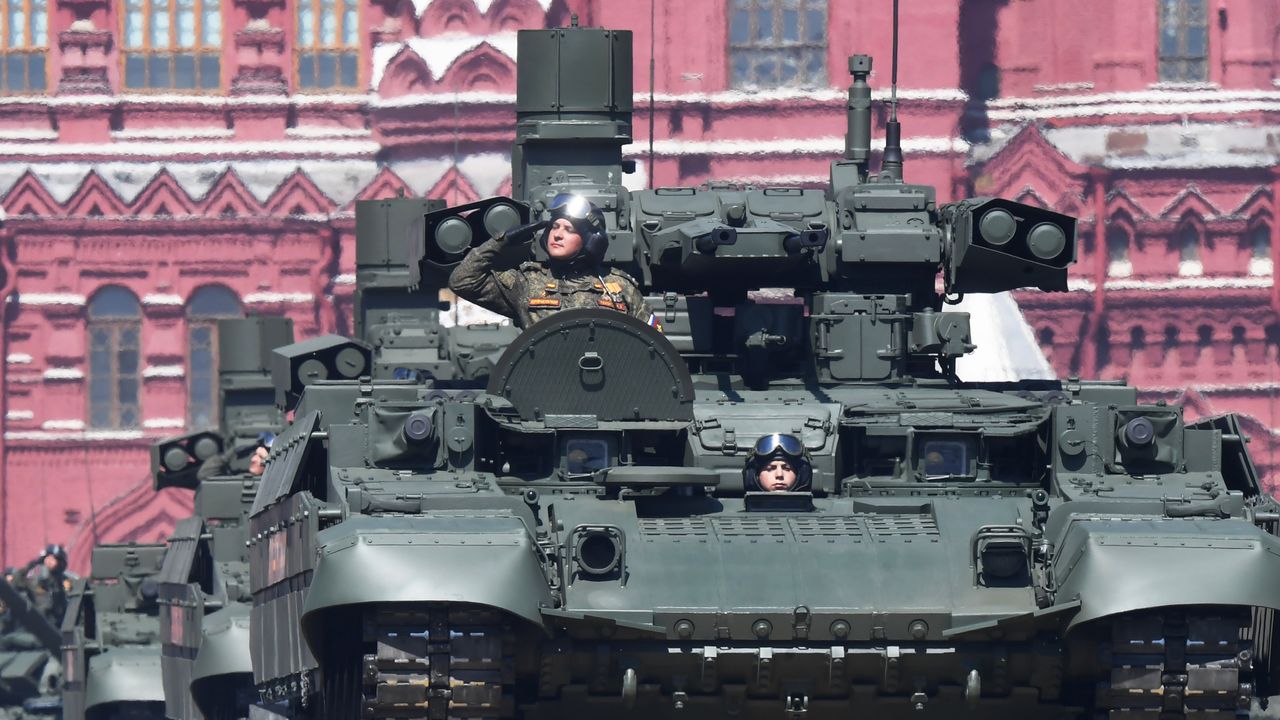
column 30, row 618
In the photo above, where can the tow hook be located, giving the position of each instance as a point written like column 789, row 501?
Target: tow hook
column 797, row 706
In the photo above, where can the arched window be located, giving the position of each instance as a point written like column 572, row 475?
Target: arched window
column 1184, row 41
column 1118, row 264
column 207, row 305
column 327, row 46
column 115, row 323
column 1187, row 241
column 172, row 45
column 25, row 45
column 1259, row 245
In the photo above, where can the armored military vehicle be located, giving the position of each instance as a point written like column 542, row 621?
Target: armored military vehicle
column 30, row 652
column 111, row 637
column 204, row 581
column 584, row 538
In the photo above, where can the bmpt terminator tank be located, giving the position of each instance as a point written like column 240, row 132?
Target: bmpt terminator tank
column 581, row 540
column 204, row 580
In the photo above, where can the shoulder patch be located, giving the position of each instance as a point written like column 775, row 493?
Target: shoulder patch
column 544, row 302
column 613, row 286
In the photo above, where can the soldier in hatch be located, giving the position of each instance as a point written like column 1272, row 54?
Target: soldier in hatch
column 224, row 463
column 47, row 582
column 575, row 241
column 778, row 463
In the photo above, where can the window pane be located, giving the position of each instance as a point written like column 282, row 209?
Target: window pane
column 133, row 27
column 348, row 68
column 306, row 24
column 39, row 23
column 113, row 301
column 15, row 72
column 135, row 71
column 740, row 68
column 327, row 70
column 160, row 25
column 739, row 27
column 128, row 417
column 1262, row 242
column 209, row 72
column 306, row 70
column 328, row 26
column 212, row 21
column 791, row 25
column 1195, row 11
column 184, row 72
column 815, row 26
column 17, row 24
column 350, row 25
column 186, row 14
column 764, row 24
column 1196, row 38
column 36, row 73
column 159, row 71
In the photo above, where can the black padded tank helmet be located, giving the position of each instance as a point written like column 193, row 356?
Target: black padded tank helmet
column 774, row 446
column 587, row 221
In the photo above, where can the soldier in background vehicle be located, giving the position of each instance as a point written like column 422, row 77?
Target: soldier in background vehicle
column 225, row 463
column 778, row 463
column 575, row 241
column 47, row 582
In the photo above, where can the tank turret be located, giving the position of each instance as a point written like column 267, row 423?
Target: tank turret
column 783, row 503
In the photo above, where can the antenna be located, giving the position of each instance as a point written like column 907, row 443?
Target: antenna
column 653, row 34
column 891, row 162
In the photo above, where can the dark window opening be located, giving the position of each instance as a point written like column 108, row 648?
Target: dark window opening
column 778, row 43
column 1184, row 41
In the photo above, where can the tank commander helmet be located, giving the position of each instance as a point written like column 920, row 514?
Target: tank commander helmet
column 57, row 552
column 587, row 220
column 778, row 446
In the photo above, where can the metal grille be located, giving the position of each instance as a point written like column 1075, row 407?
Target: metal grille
column 902, row 526
column 806, row 529
column 674, row 527
column 751, row 527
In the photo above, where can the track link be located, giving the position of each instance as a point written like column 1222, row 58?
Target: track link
column 1177, row 664
column 443, row 663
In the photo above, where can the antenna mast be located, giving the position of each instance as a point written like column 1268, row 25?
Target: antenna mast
column 891, row 162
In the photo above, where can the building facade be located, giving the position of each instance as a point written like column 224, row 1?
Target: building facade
column 164, row 163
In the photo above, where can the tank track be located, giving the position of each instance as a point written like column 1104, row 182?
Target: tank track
column 1178, row 664
column 439, row 664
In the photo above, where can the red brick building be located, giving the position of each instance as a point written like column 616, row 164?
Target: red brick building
column 167, row 162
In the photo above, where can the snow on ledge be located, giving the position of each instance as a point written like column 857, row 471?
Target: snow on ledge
column 321, row 132
column 344, row 279
column 439, row 52
column 87, row 435
column 18, row 359
column 174, row 133
column 19, row 415
column 161, row 299
column 63, row 374
column 163, row 423
column 50, row 299
column 830, row 145
column 1181, row 283
column 62, row 425
column 164, row 371
column 278, row 297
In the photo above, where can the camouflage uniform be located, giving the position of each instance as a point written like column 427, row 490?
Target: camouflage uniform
column 533, row 290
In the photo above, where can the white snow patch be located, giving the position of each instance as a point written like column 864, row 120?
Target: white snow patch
column 1120, row 268
column 278, row 297
column 9, row 175
column 127, row 179
column 421, row 174
column 1007, row 348
column 18, row 359
column 51, row 298
column 344, row 279
column 166, row 149
column 263, row 177
column 27, row 135
column 174, row 133
column 486, row 171
column 88, row 435
column 19, row 415
column 439, row 52
column 324, row 132
column 638, row 180
column 161, row 299
column 340, row 180
column 63, row 374
column 60, row 179
column 163, row 371
column 197, row 178
column 420, row 6
column 1261, row 266
column 1190, row 268
column 62, row 425
column 1181, row 283
column 157, row 423
column 788, row 146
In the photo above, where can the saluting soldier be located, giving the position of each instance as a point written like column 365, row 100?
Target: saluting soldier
column 575, row 241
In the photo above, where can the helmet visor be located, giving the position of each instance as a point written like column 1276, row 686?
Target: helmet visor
column 569, row 205
column 787, row 444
